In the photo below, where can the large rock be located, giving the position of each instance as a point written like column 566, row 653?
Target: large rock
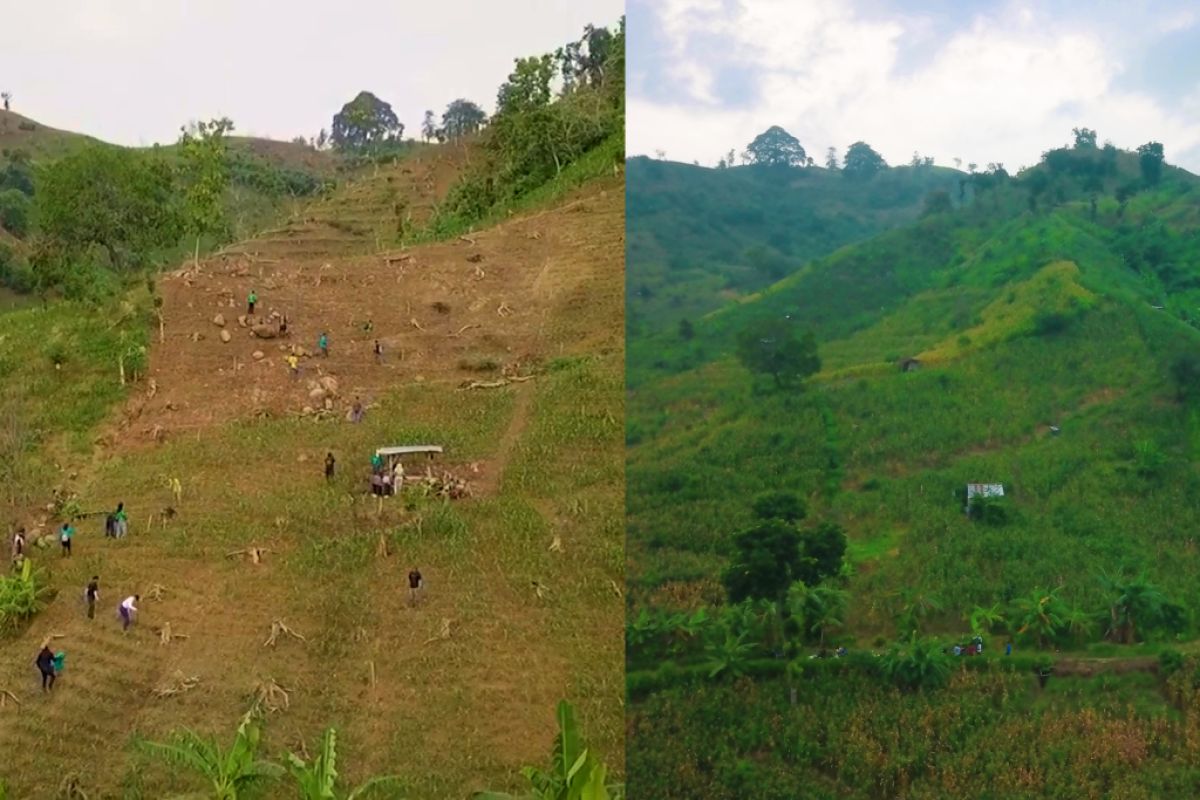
column 330, row 385
column 265, row 331
column 257, row 355
column 219, row 320
column 225, row 336
column 317, row 394
column 242, row 320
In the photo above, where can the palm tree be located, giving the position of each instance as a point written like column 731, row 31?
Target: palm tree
column 1039, row 614
column 984, row 620
column 228, row 771
column 818, row 608
column 915, row 607
column 317, row 781
column 1135, row 601
column 916, row 664
column 576, row 773
column 1078, row 623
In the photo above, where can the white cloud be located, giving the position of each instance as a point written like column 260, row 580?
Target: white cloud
column 1005, row 88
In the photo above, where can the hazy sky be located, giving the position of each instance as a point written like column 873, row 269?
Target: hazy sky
column 977, row 79
column 134, row 71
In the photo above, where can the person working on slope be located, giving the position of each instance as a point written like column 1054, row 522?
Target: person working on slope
column 18, row 545
column 121, row 521
column 65, row 533
column 45, row 664
column 329, row 464
column 376, row 463
column 251, row 301
column 91, row 594
column 415, row 584
column 323, row 344
column 378, row 352
column 293, row 366
column 127, row 609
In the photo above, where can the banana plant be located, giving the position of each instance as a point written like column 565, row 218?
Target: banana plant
column 575, row 774
column 228, row 772
column 318, row 780
column 21, row 596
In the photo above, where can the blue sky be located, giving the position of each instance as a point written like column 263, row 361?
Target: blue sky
column 133, row 71
column 979, row 80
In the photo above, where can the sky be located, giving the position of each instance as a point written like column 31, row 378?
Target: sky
column 133, row 72
column 983, row 81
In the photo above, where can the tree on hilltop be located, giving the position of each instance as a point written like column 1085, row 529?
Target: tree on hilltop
column 462, row 117
column 365, row 123
column 429, row 127
column 776, row 147
column 862, row 161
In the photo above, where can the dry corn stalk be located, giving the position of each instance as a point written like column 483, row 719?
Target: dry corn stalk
column 156, row 592
column 280, row 628
column 270, row 695
column 556, row 545
column 256, row 553
column 444, row 633
column 178, row 684
column 166, row 635
column 5, row 696
column 542, row 590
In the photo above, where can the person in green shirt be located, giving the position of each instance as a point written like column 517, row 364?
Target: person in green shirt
column 64, row 537
column 120, row 521
column 376, row 463
column 323, row 344
column 251, row 301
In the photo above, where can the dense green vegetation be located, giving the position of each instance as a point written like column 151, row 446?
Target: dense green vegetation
column 82, row 222
column 538, row 135
column 1036, row 331
column 700, row 238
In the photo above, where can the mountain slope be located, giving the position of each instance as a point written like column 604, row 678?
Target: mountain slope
column 701, row 238
column 442, row 694
column 1021, row 319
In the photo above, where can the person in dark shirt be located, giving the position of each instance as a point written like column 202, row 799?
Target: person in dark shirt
column 378, row 352
column 45, row 663
column 91, row 595
column 330, row 461
column 415, row 584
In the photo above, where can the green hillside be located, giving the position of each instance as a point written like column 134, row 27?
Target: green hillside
column 1052, row 320
column 700, row 238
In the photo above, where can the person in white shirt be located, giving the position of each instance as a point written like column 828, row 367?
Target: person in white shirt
column 127, row 609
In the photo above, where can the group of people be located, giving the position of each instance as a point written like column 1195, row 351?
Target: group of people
column 50, row 664
column 116, row 525
column 972, row 648
column 385, row 482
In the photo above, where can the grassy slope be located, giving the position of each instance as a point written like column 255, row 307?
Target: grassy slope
column 449, row 717
column 689, row 228
column 883, row 453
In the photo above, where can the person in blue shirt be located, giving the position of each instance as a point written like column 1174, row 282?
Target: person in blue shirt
column 64, row 537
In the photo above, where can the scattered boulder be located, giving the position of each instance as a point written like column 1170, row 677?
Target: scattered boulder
column 328, row 403
column 317, row 394
column 242, row 320
column 219, row 320
column 257, row 355
column 330, row 385
column 307, row 411
column 265, row 331
column 225, row 336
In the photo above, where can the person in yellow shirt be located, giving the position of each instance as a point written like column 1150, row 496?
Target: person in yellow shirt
column 293, row 365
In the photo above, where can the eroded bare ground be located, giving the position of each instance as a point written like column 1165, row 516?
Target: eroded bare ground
column 472, row 708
